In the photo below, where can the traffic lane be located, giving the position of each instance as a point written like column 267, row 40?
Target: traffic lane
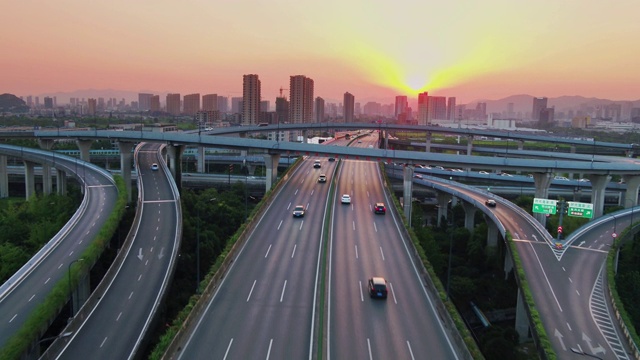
column 16, row 307
column 116, row 324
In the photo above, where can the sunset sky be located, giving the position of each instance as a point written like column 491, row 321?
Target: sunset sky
column 373, row 49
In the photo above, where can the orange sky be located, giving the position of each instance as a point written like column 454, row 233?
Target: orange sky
column 373, row 49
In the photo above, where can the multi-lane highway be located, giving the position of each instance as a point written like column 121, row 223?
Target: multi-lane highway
column 24, row 292
column 117, row 325
column 363, row 245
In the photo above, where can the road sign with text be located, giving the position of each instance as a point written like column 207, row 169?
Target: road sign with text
column 544, row 206
column 579, row 209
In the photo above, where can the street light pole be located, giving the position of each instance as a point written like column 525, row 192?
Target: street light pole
column 70, row 288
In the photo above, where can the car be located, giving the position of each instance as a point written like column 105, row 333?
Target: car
column 298, row 211
column 359, row 141
column 380, row 208
column 332, row 159
column 346, row 199
column 316, row 164
column 490, row 203
column 154, row 167
column 482, row 172
column 378, row 287
column 563, row 178
column 322, row 178
column 584, row 180
column 506, row 174
column 457, row 170
column 417, row 176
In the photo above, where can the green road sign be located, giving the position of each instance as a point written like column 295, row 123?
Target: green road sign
column 578, row 209
column 544, row 206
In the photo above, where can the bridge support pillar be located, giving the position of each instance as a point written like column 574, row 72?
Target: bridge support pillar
column 200, row 159
column 508, row 265
column 125, row 165
column 407, row 191
column 84, row 146
column 428, row 142
column 174, row 152
column 61, row 182
column 492, row 233
column 520, row 145
column 386, row 140
column 469, row 144
column 542, row 181
column 522, row 321
column 80, row 294
column 304, row 136
column 29, row 183
column 443, row 205
column 4, row 177
column 469, row 216
column 598, row 188
column 271, row 162
column 46, row 144
column 631, row 195
column 251, row 170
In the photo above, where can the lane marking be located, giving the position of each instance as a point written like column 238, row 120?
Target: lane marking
column 280, row 224
column 382, row 253
column 545, row 277
column 130, row 295
column 14, row 316
column 294, row 250
column 103, row 341
column 360, row 289
column 228, row 348
column 356, row 246
column 410, row 351
column 47, row 280
column 283, row 289
column 118, row 318
column 31, row 298
column 251, row 291
column 394, row 294
column 269, row 351
column 267, row 254
column 369, row 347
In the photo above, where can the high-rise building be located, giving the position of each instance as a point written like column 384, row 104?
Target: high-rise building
column 282, row 110
column 423, row 108
column 349, row 107
column 144, row 101
column 48, row 102
column 401, row 107
column 250, row 99
column 209, row 102
column 92, row 106
column 539, row 104
column 481, row 111
column 437, row 108
column 451, row 108
column 300, row 99
column 265, row 105
column 154, row 103
column 223, row 104
column 191, row 104
column 236, row 107
column 173, row 104
column 546, row 118
column 319, row 109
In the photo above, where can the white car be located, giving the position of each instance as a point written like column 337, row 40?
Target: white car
column 154, row 167
column 563, row 178
column 346, row 199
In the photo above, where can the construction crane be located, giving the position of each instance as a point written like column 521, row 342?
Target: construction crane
column 281, row 90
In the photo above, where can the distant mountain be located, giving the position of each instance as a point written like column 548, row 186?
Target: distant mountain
column 524, row 103
column 12, row 103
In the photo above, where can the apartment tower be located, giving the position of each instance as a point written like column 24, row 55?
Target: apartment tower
column 173, row 104
column 349, row 107
column 300, row 99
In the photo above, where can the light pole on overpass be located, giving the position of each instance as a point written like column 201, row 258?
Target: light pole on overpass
column 70, row 288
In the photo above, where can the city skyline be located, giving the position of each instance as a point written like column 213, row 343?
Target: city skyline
column 375, row 51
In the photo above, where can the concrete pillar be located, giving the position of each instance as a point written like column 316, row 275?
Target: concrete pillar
column 84, row 146
column 61, row 182
column 508, row 265
column 598, row 188
column 522, row 321
column 386, row 140
column 443, row 206
column 4, row 177
column 251, row 169
column 46, row 144
column 492, row 233
column 80, row 294
column 542, row 181
column 125, row 165
column 520, row 145
column 200, row 159
column 271, row 162
column 29, row 183
column 428, row 142
column 577, row 194
column 175, row 162
column 631, row 195
column 469, row 215
column 469, row 144
column 407, row 191
column 304, row 136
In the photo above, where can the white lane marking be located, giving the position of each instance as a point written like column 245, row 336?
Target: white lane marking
column 571, row 281
column 146, row 262
column 369, row 347
column 279, row 224
column 31, row 298
column 545, row 277
column 47, row 280
column 118, row 318
column 360, row 288
column 80, row 242
column 393, row 293
column 130, row 295
column 269, row 351
column 151, row 250
column 382, row 253
column 71, row 253
column 283, row 288
column 356, row 246
column 296, row 193
column 60, row 266
column 368, row 194
column 154, row 238
column 354, row 225
column 375, row 227
column 103, row 341
column 410, row 351
column 267, row 254
column 302, row 223
column 13, row 318
column 228, row 348
column 251, row 291
column 312, row 192
column 294, row 250
column 577, row 292
column 288, row 206
column 569, row 326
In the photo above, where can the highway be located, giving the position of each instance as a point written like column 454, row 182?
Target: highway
column 568, row 285
column 115, row 328
column 363, row 245
column 28, row 288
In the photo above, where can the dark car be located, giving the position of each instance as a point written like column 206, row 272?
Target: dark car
column 298, row 211
column 490, row 203
column 378, row 287
column 380, row 208
column 332, row 159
